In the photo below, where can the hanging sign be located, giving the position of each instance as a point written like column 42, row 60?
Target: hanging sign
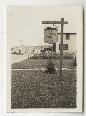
column 50, row 35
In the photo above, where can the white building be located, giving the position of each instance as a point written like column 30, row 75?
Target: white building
column 69, row 41
column 51, row 36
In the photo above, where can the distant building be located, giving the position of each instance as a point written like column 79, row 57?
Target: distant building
column 69, row 43
column 52, row 37
column 30, row 50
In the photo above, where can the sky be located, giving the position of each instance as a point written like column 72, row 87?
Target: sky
column 24, row 23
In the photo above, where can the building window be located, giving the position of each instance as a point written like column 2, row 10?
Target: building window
column 67, row 36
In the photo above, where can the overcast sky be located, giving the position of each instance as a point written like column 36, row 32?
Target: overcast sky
column 24, row 23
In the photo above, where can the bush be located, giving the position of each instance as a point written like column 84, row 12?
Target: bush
column 52, row 56
column 50, row 67
column 68, row 56
column 74, row 62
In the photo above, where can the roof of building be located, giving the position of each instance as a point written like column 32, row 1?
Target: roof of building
column 68, row 33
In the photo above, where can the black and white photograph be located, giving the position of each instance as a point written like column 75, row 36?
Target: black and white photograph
column 44, row 58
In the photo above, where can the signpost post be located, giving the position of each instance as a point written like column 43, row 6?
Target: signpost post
column 62, row 22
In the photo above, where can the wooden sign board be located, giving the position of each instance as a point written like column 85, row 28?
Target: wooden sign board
column 50, row 35
column 65, row 46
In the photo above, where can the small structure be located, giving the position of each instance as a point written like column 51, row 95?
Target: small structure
column 69, row 43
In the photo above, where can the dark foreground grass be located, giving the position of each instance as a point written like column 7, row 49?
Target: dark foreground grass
column 35, row 89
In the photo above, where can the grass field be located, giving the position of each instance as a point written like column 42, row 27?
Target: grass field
column 17, row 58
column 36, row 89
column 42, row 63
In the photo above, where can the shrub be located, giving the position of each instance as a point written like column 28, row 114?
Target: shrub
column 50, row 67
column 74, row 62
column 52, row 56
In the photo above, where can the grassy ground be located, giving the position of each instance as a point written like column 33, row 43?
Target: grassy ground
column 18, row 58
column 36, row 63
column 36, row 89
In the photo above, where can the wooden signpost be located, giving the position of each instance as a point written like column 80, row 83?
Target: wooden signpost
column 62, row 22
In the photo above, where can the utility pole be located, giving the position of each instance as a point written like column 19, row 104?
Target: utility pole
column 61, row 47
column 62, row 22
